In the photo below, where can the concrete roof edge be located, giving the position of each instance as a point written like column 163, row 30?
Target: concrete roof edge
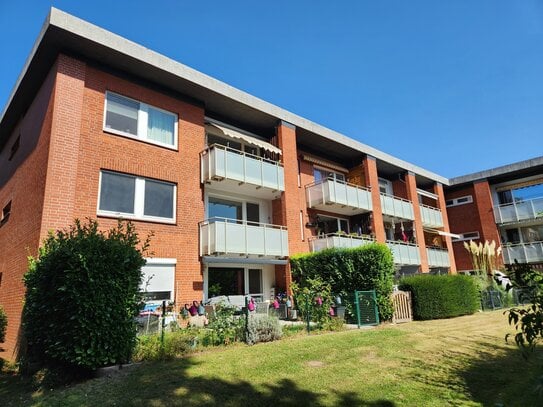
column 101, row 36
column 504, row 169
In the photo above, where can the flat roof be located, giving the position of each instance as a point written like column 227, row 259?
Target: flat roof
column 521, row 168
column 63, row 32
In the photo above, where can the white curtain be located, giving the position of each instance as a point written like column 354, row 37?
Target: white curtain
column 160, row 126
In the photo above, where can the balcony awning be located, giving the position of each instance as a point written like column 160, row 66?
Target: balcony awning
column 223, row 131
column 324, row 163
column 427, row 194
column 442, row 233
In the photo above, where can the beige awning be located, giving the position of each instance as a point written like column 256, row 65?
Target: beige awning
column 427, row 194
column 324, row 163
column 223, row 131
column 442, row 233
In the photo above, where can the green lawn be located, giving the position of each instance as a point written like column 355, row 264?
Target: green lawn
column 460, row 361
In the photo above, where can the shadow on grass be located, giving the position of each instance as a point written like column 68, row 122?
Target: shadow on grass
column 498, row 375
column 171, row 384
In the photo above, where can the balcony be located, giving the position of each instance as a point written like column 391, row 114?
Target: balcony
column 338, row 197
column 397, row 207
column 340, row 241
column 405, row 254
column 227, row 168
column 523, row 252
column 438, row 257
column 431, row 217
column 519, row 211
column 231, row 237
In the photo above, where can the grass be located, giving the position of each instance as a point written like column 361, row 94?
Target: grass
column 460, row 361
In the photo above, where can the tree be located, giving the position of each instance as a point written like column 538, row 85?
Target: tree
column 82, row 296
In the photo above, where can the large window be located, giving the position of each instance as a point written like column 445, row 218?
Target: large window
column 158, row 280
column 234, row 281
column 134, row 119
column 520, row 194
column 134, row 197
column 234, row 210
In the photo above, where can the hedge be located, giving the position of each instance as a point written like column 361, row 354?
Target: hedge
column 363, row 268
column 445, row 296
column 82, row 294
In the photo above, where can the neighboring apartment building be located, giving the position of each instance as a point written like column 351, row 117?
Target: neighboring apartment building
column 504, row 204
column 231, row 186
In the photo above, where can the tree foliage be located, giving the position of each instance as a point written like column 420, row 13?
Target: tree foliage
column 82, row 293
column 3, row 324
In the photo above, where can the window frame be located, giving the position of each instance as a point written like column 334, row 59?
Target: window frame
column 456, row 203
column 335, row 174
column 143, row 120
column 139, row 200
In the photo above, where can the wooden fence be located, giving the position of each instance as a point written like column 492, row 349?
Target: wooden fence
column 402, row 307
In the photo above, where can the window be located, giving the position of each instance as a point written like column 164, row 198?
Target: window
column 14, row 148
column 234, row 281
column 467, row 236
column 322, row 174
column 5, row 213
column 128, row 117
column 328, row 224
column 158, row 279
column 459, row 201
column 385, row 186
column 233, row 210
column 134, row 197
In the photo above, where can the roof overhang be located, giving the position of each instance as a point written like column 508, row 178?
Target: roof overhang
column 63, row 32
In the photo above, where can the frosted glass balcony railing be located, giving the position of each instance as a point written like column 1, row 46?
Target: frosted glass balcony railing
column 519, row 211
column 438, row 257
column 336, row 240
column 222, row 236
column 338, row 196
column 397, row 207
column 431, row 217
column 404, row 253
column 523, row 252
column 220, row 162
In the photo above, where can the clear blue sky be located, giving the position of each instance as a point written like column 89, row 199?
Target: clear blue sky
column 452, row 86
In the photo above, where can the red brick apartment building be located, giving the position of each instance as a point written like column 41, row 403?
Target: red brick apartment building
column 98, row 126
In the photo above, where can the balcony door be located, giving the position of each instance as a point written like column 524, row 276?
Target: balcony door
column 233, row 210
column 234, row 281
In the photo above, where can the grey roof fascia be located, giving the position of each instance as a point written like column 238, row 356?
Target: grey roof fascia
column 493, row 172
column 81, row 28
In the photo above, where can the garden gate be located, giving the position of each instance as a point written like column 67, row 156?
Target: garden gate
column 366, row 308
column 402, row 307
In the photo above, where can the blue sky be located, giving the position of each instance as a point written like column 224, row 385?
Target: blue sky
column 452, row 86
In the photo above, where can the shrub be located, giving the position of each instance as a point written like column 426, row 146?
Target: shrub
column 262, row 328
column 82, row 296
column 177, row 343
column 313, row 295
column 3, row 324
column 363, row 268
column 224, row 327
column 443, row 296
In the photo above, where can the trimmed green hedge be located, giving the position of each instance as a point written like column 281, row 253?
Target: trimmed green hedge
column 436, row 297
column 363, row 268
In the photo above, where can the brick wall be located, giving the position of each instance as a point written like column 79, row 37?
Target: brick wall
column 22, row 181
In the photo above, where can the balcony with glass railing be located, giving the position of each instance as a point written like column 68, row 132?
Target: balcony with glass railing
column 438, row 257
column 405, row 254
column 339, row 197
column 397, row 207
column 231, row 237
column 339, row 240
column 431, row 217
column 523, row 252
column 520, row 211
column 241, row 170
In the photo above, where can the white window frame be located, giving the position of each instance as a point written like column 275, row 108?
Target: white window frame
column 154, row 261
column 462, row 238
column 382, row 182
column 245, row 268
column 139, row 201
column 263, row 209
column 456, row 203
column 334, row 172
column 143, row 117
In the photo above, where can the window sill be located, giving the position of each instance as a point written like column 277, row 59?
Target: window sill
column 148, row 219
column 136, row 138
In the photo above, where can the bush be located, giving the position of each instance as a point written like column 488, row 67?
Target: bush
column 443, row 296
column 262, row 328
column 363, row 268
column 177, row 343
column 314, row 296
column 225, row 328
column 82, row 296
column 3, row 324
